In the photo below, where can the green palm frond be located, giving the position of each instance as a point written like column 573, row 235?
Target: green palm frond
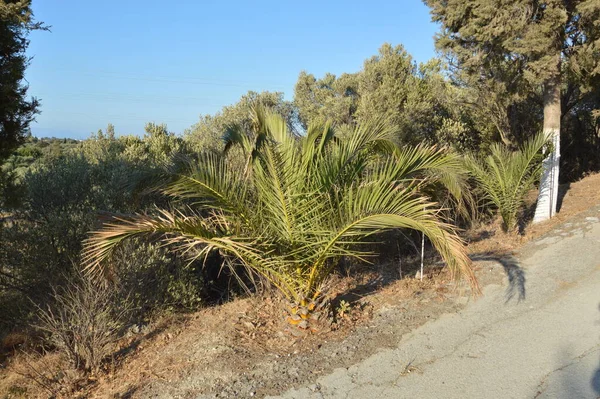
column 343, row 162
column 318, row 136
column 379, row 205
column 304, row 203
column 505, row 176
column 433, row 164
column 235, row 136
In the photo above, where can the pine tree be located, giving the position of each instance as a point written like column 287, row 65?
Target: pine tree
column 526, row 46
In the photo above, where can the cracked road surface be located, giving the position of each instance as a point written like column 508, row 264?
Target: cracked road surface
column 545, row 346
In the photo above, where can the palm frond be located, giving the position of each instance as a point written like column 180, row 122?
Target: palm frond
column 210, row 184
column 303, row 203
column 505, row 176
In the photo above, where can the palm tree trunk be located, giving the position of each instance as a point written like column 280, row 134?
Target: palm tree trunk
column 548, row 195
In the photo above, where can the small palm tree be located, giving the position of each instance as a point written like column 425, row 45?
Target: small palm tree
column 298, row 204
column 505, row 176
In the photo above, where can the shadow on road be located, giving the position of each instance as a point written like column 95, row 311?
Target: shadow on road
column 513, row 270
column 596, row 376
column 596, row 381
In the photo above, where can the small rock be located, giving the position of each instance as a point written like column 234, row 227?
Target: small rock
column 293, row 372
column 315, row 387
column 463, row 300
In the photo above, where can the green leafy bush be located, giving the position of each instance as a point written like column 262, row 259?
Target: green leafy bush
column 155, row 280
column 60, row 202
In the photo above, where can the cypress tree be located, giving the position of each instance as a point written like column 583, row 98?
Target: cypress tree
column 526, row 46
column 16, row 111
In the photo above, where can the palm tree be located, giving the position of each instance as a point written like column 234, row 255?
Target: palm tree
column 298, row 204
column 505, row 176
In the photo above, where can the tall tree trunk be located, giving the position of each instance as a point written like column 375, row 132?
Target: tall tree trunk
column 548, row 195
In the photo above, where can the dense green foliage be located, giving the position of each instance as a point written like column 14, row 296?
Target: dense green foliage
column 32, row 152
column 64, row 186
column 207, row 133
column 16, row 111
column 514, row 57
column 416, row 100
column 515, row 42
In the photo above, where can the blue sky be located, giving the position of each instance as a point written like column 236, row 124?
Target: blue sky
column 129, row 62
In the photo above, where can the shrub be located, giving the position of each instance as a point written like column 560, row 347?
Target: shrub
column 83, row 322
column 155, row 280
column 59, row 201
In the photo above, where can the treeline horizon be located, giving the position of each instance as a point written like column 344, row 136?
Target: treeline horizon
column 427, row 102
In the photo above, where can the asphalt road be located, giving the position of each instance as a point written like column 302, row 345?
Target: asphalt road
column 546, row 345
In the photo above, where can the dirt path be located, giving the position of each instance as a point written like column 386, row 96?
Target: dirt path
column 545, row 346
